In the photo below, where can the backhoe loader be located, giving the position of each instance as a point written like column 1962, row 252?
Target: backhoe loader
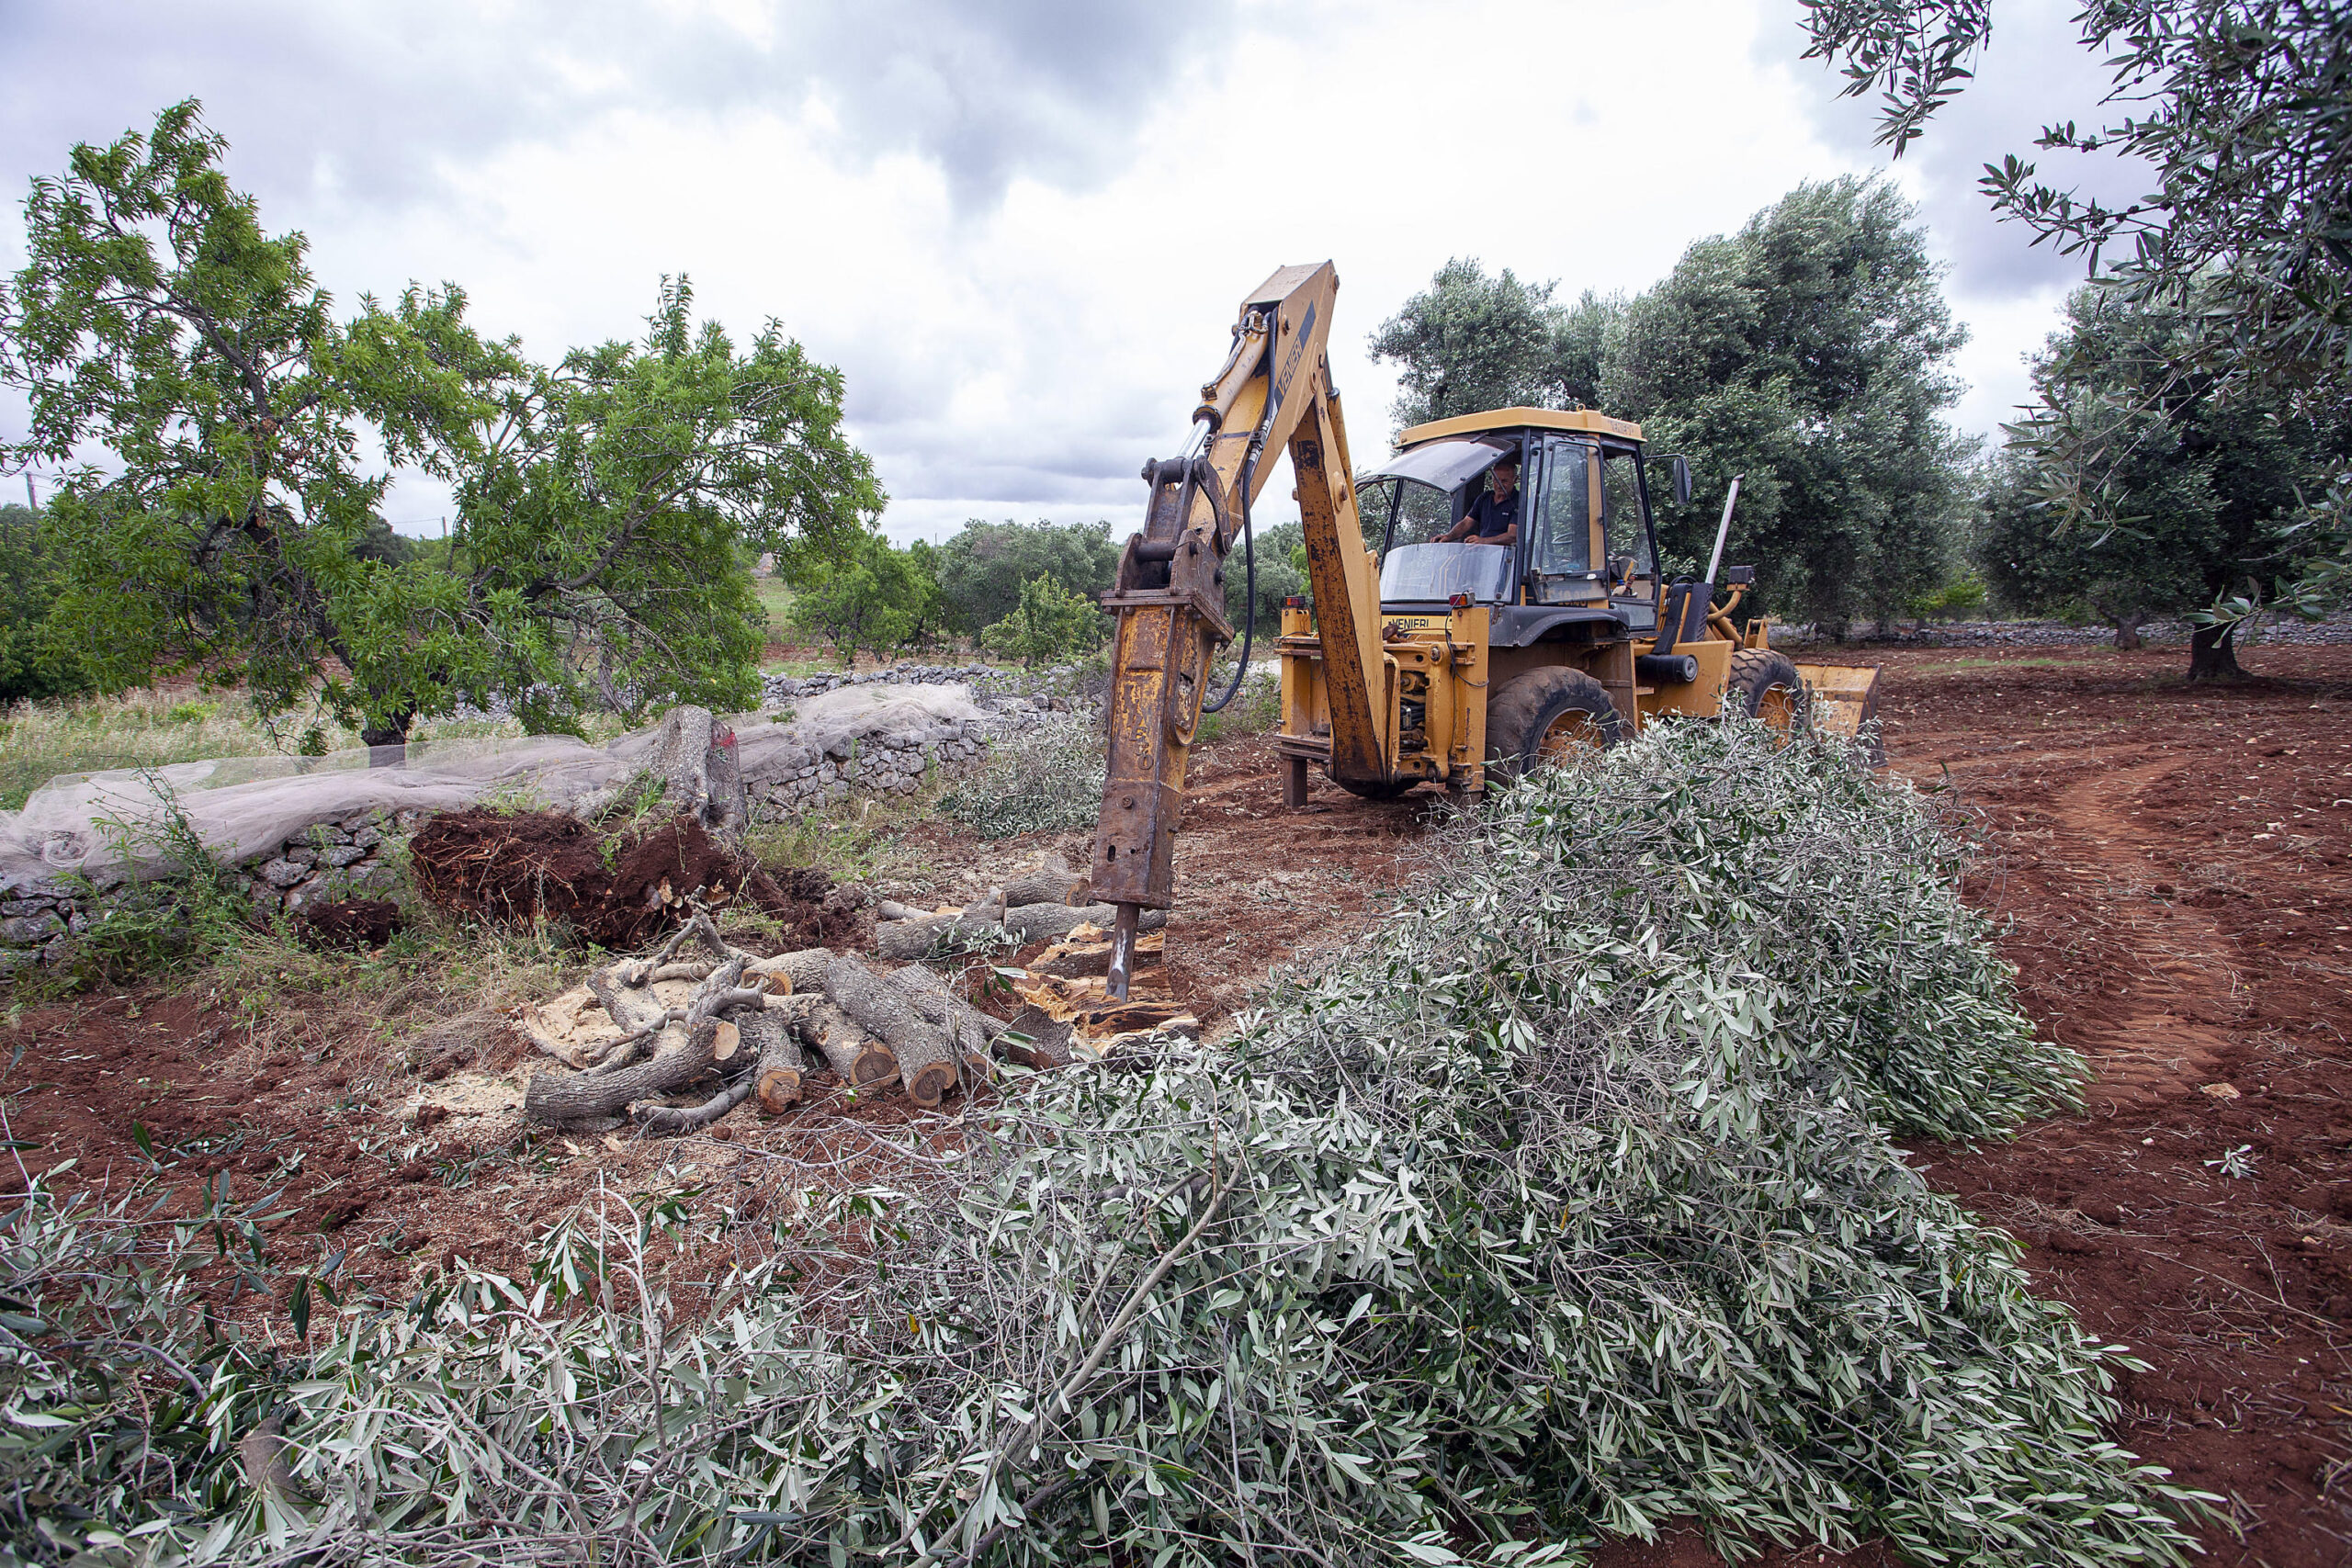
column 1414, row 657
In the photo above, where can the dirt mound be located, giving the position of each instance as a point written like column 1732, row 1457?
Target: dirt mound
column 348, row 922
column 619, row 893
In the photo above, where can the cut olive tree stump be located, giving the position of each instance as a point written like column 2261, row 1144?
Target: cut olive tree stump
column 929, row 1065
column 864, row 1063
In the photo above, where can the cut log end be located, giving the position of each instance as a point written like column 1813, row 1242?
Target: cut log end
column 780, row 1090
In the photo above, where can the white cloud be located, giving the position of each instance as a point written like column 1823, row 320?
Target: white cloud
column 1022, row 232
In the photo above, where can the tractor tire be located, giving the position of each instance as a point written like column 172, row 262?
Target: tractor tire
column 1385, row 789
column 1533, row 719
column 1765, row 685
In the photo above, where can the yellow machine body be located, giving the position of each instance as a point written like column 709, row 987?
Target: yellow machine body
column 1384, row 689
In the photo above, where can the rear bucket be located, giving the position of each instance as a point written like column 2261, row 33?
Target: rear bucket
column 1843, row 699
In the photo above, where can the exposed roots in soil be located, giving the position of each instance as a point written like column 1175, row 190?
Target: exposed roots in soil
column 544, row 865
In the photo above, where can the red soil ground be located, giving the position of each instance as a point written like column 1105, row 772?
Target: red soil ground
column 2169, row 862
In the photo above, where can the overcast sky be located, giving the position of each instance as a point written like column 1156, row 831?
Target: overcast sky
column 1022, row 229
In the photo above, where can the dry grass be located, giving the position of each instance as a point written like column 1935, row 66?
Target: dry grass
column 148, row 728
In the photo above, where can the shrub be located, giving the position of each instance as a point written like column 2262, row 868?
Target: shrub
column 1048, row 624
column 1047, row 777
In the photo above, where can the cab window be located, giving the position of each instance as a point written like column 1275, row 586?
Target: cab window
column 1621, row 527
column 1560, row 547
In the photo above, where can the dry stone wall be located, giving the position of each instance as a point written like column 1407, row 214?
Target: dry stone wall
column 355, row 855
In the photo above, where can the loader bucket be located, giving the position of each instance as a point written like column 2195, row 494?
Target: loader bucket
column 1843, row 699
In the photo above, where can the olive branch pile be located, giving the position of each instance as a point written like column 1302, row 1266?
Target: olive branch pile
column 1561, row 1206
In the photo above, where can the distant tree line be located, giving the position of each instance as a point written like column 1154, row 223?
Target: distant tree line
column 1027, row 591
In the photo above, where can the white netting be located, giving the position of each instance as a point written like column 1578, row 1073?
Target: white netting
column 244, row 807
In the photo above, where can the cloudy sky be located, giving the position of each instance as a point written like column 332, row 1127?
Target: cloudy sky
column 1021, row 227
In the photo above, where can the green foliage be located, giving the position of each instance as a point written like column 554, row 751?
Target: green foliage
column 1808, row 351
column 983, row 567
column 180, row 920
column 606, row 503
column 36, row 661
column 1963, row 595
column 1470, row 341
column 2236, row 107
column 1255, row 709
column 2199, row 484
column 1049, row 624
column 1562, row 1205
column 870, row 596
column 1047, row 777
column 1281, row 571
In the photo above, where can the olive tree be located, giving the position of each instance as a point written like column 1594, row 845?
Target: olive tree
column 2198, row 487
column 223, row 514
column 2236, row 109
column 1811, row 352
column 1470, row 341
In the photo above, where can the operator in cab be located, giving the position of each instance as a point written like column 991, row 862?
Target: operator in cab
column 1493, row 518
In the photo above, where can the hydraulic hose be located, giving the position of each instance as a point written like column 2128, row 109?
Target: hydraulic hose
column 1250, row 599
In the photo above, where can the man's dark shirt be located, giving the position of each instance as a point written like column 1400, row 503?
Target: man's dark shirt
column 1489, row 517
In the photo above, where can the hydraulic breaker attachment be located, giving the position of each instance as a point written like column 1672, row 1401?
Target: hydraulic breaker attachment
column 1171, row 617
column 1273, row 396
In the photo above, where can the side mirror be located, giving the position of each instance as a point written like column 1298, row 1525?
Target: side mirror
column 1681, row 480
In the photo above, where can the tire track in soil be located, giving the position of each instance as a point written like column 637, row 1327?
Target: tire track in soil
column 2146, row 1052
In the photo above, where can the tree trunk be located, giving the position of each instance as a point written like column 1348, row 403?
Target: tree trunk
column 671, row 1119
column 2213, row 654
column 972, row 1029
column 1040, row 922
column 1053, row 882
column 2127, row 631
column 903, row 940
column 937, row 1000
column 864, row 1064
column 803, row 970
column 589, row 1096
column 929, row 1064
column 386, row 742
column 777, row 1077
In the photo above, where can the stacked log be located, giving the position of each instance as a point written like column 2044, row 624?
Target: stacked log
column 756, row 1027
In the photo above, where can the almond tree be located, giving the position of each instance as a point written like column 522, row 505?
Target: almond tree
column 223, row 513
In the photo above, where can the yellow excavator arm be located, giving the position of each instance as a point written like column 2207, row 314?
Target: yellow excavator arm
column 1273, row 393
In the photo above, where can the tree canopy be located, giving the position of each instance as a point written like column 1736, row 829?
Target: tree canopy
column 605, row 504
column 2198, row 487
column 2237, row 107
column 869, row 595
column 1471, row 341
column 984, row 567
column 36, row 663
column 1810, row 352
